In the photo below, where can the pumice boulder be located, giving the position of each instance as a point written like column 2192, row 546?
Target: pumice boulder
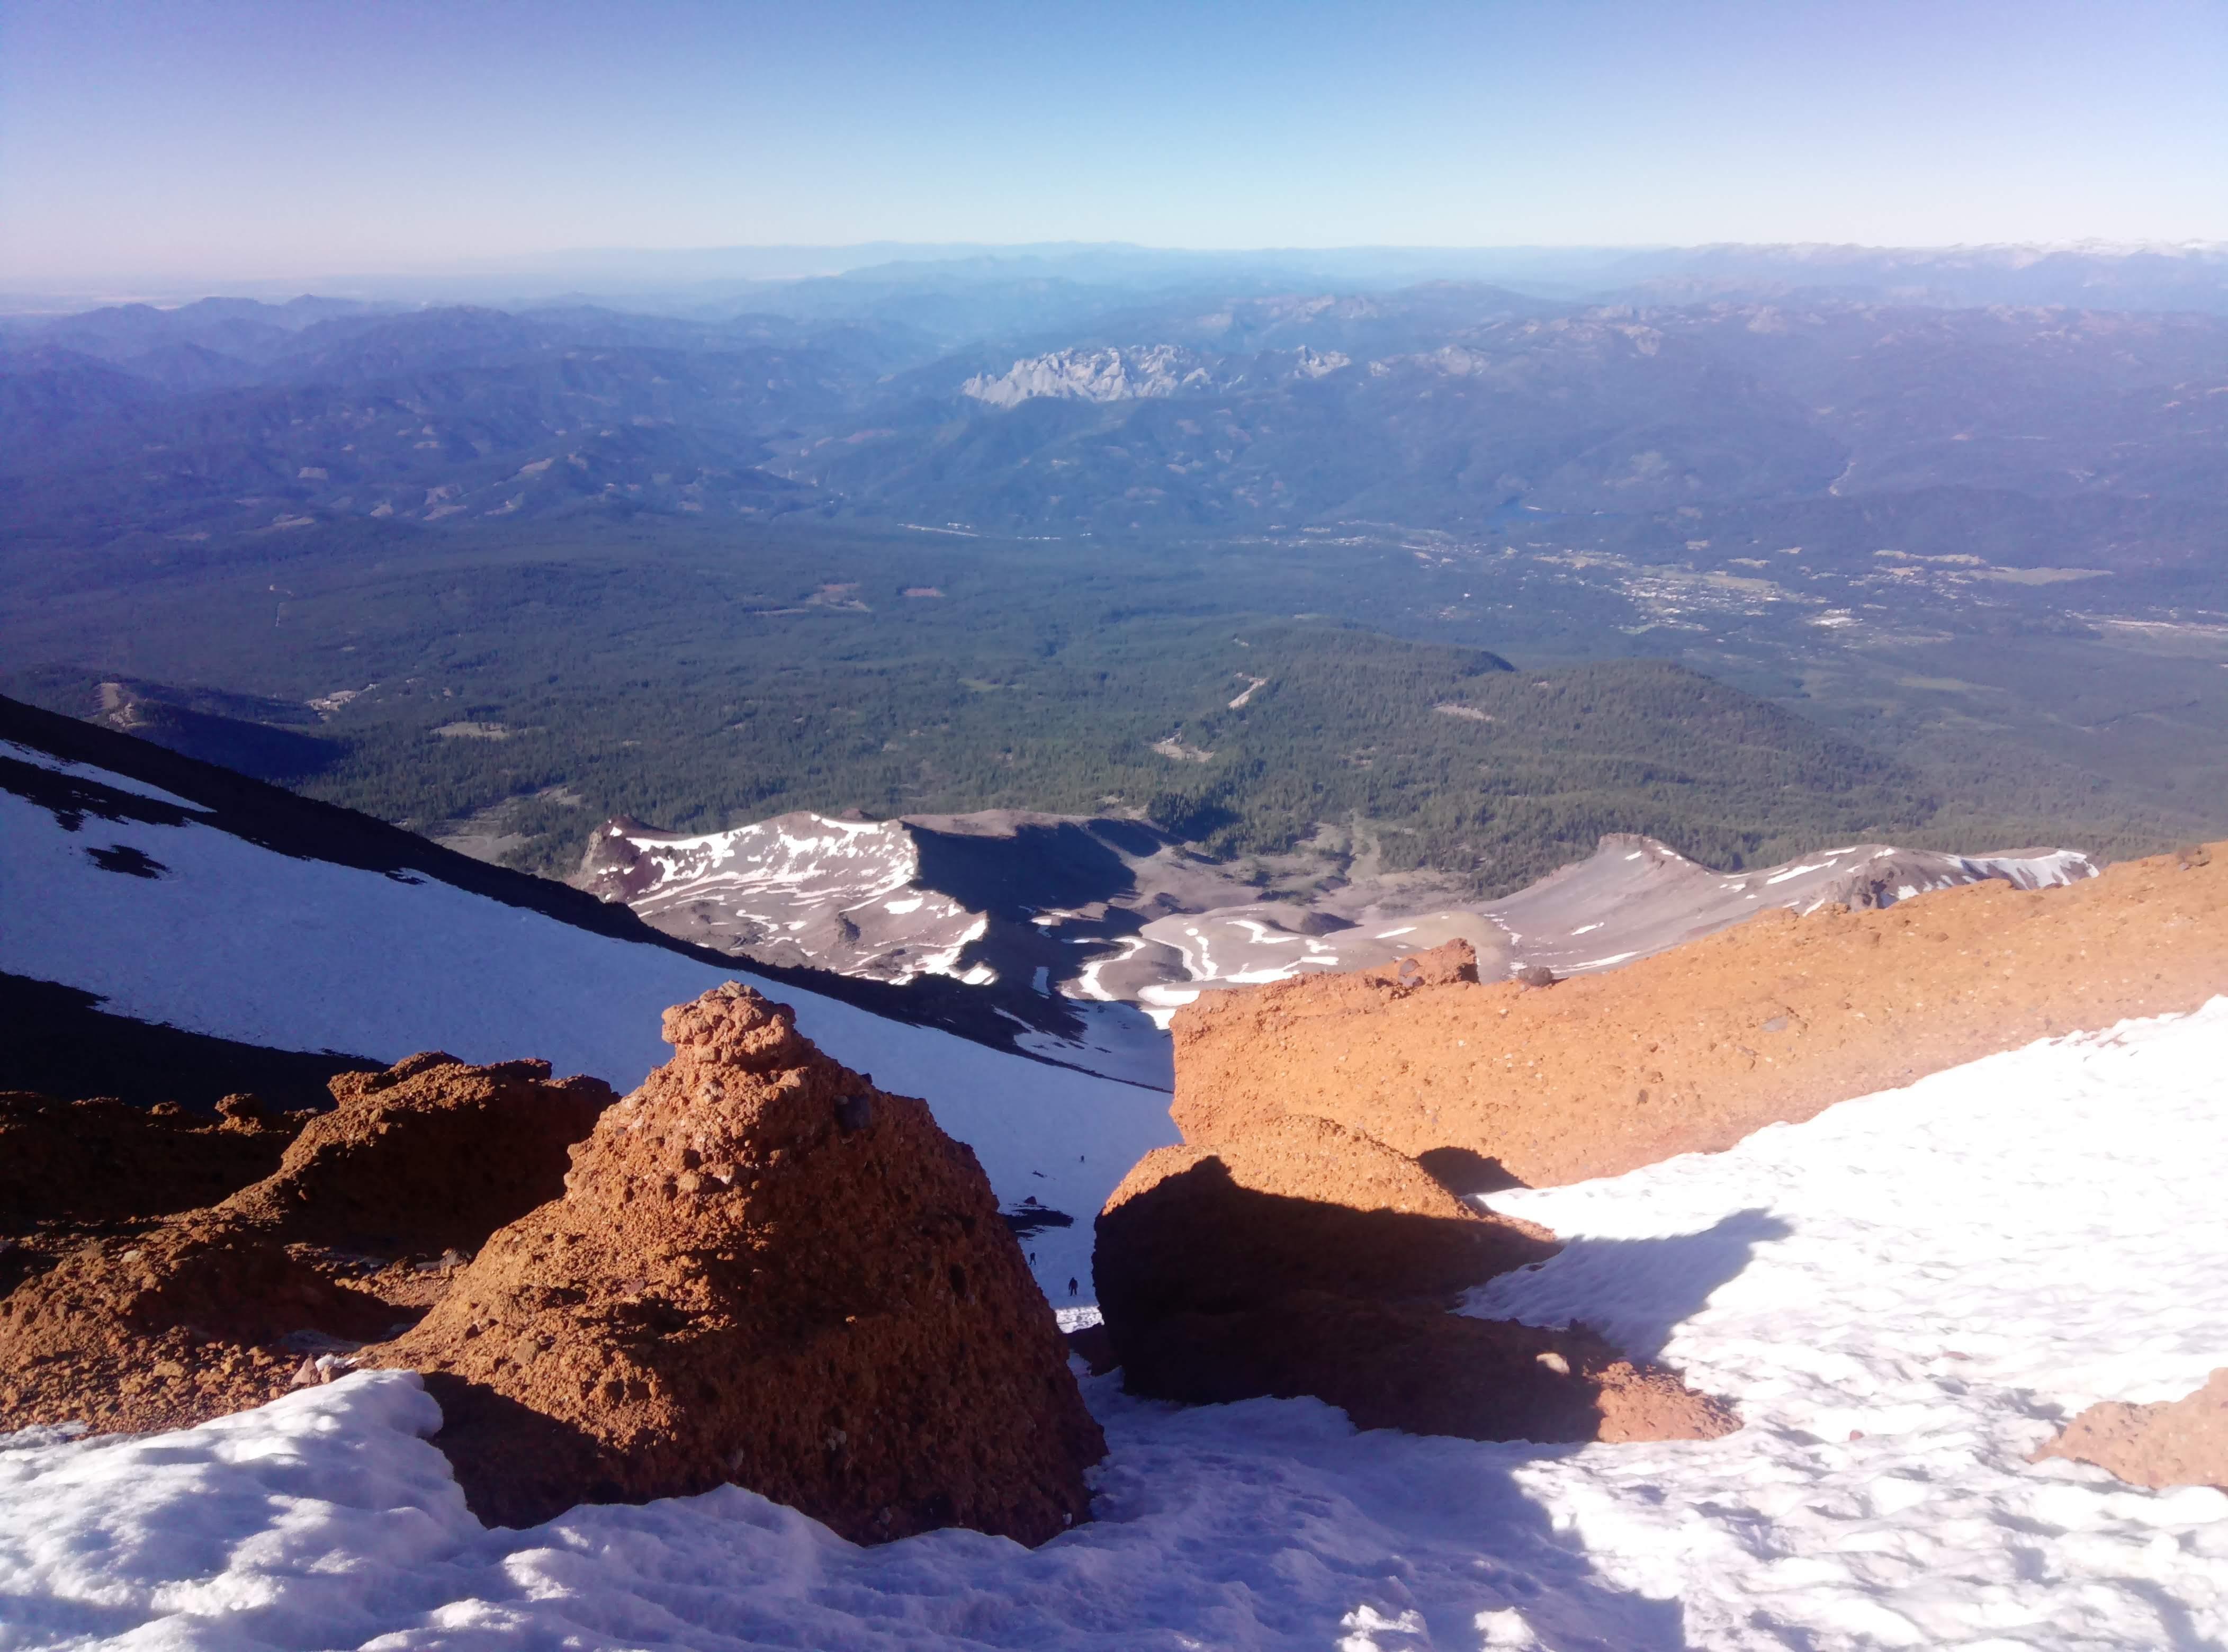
column 763, row 1270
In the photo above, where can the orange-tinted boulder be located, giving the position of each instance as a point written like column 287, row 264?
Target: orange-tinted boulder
column 2178, row 1443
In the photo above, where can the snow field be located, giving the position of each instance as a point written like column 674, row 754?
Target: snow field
column 236, row 940
column 2048, row 1214
column 1905, row 1297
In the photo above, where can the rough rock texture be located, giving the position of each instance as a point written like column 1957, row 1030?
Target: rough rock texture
column 102, row 1160
column 428, row 1155
column 2180, row 1443
column 165, row 1320
column 1695, row 1048
column 1302, row 1258
column 1301, row 1203
column 164, row 1329
column 763, row 1271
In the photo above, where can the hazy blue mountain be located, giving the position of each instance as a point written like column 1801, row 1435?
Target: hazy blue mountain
column 995, row 394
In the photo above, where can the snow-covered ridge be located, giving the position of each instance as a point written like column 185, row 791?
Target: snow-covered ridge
column 853, row 897
column 1902, row 1296
column 1091, row 376
column 1136, row 373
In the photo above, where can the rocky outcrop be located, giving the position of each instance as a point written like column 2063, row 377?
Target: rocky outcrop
column 1692, row 1050
column 1092, row 376
column 1302, row 1258
column 2180, row 1443
column 1299, row 1204
column 765, row 1270
column 159, row 1318
column 101, row 1160
column 189, row 1320
column 431, row 1155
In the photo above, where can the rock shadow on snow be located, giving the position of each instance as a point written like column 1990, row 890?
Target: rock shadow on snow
column 1215, row 1292
column 1465, row 1172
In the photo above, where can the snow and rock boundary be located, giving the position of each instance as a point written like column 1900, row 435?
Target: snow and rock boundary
column 1908, row 1294
column 1693, row 1049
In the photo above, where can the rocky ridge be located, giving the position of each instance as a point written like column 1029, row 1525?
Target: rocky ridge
column 1115, row 911
column 134, row 1315
column 759, row 1268
column 1690, row 1050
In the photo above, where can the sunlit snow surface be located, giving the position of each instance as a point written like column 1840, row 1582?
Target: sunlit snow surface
column 2051, row 1215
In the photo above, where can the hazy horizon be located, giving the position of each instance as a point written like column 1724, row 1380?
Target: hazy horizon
column 230, row 141
column 619, row 273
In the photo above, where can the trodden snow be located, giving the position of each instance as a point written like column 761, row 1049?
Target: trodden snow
column 1902, row 1297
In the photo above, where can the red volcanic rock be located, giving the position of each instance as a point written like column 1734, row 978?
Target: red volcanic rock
column 1692, row 1049
column 166, row 1323
column 429, row 1156
column 763, row 1270
column 169, row 1327
column 2180, row 1443
column 102, row 1160
column 1296, row 1204
column 1302, row 1258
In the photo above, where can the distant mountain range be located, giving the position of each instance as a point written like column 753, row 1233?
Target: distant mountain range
column 702, row 281
column 968, row 401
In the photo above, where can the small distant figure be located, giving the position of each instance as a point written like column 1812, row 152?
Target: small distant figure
column 1071, row 1287
column 1537, row 975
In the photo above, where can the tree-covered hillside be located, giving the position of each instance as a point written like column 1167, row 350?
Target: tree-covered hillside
column 701, row 681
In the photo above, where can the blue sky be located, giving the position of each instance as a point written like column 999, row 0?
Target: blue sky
column 209, row 138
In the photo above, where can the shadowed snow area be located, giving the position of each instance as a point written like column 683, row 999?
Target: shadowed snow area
column 1903, row 1296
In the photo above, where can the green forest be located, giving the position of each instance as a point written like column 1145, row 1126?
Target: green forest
column 691, row 680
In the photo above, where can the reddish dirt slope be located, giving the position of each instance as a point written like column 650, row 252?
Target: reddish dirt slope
column 2182, row 1443
column 1693, row 1049
column 154, row 1321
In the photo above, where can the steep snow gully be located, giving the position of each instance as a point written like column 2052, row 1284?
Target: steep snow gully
column 1903, row 1296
